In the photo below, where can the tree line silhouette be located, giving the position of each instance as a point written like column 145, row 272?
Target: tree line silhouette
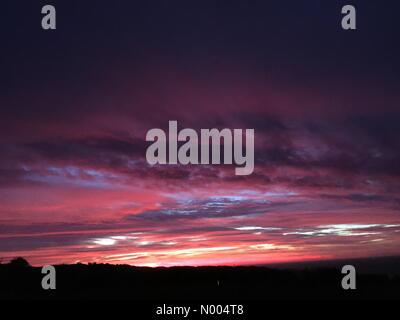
column 20, row 280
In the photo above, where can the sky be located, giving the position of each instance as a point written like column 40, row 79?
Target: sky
column 76, row 103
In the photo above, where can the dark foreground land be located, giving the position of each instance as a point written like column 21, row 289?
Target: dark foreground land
column 102, row 281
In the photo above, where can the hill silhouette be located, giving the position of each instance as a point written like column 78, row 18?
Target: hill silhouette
column 19, row 280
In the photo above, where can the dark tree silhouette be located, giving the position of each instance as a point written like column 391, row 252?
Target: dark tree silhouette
column 19, row 262
column 18, row 280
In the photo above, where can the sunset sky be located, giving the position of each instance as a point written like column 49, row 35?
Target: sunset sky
column 76, row 104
